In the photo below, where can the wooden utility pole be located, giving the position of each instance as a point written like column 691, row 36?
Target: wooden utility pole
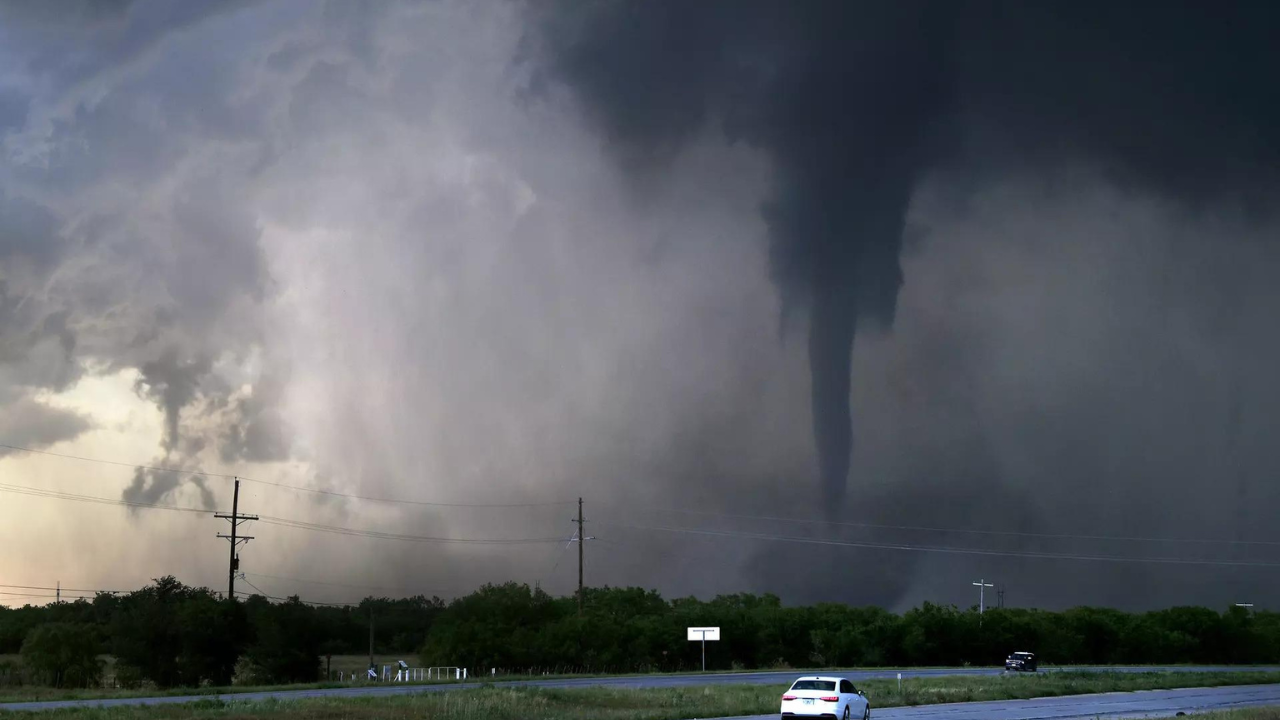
column 233, row 562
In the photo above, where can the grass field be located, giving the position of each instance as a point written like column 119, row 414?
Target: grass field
column 509, row 703
column 1266, row 713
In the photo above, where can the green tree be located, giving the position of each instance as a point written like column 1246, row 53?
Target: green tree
column 286, row 647
column 63, row 654
column 175, row 635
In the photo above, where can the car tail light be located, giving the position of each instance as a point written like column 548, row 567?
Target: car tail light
column 788, row 697
column 831, row 698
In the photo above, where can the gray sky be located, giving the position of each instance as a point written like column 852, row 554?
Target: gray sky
column 406, row 250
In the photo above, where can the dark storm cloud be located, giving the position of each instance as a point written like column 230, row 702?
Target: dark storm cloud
column 25, row 422
column 28, row 234
column 150, row 486
column 258, row 431
column 37, row 347
column 82, row 38
column 342, row 237
column 173, row 382
column 164, row 282
column 854, row 102
column 13, row 109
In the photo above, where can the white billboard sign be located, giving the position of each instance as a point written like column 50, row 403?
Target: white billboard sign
column 704, row 633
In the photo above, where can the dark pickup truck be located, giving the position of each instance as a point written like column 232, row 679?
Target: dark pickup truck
column 1021, row 661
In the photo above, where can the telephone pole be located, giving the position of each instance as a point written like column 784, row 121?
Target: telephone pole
column 579, row 537
column 581, row 545
column 233, row 562
column 1000, row 598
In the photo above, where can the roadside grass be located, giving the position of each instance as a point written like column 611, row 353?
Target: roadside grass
column 344, row 663
column 1260, row 713
column 930, row 691
column 38, row 693
column 498, row 702
column 348, row 663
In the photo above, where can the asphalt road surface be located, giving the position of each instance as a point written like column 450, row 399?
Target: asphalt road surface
column 631, row 681
column 1111, row 706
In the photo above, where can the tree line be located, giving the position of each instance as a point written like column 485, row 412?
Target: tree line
column 170, row 635
column 514, row 629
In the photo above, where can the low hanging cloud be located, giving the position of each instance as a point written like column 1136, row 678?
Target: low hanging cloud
column 854, row 103
column 512, row 253
column 28, row 423
column 151, row 486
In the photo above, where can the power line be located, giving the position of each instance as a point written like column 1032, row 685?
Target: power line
column 286, row 599
column 299, row 488
column 46, row 595
column 283, row 522
column 922, row 528
column 264, row 594
column 333, row 584
column 255, row 587
column 44, row 587
column 948, row 550
column 704, row 513
column 317, row 527
column 766, row 518
column 333, row 529
column 60, row 495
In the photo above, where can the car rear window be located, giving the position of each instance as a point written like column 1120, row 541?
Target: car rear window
column 814, row 685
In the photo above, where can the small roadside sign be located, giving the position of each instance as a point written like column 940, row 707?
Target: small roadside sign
column 703, row 634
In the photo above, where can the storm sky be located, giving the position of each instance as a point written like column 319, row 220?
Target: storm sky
column 986, row 277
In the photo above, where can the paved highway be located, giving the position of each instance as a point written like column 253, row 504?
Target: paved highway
column 630, row 681
column 1111, row 706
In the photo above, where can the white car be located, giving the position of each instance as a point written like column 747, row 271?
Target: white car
column 819, row 696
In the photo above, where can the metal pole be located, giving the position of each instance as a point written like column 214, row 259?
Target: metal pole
column 704, row 651
column 581, row 541
column 982, row 587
